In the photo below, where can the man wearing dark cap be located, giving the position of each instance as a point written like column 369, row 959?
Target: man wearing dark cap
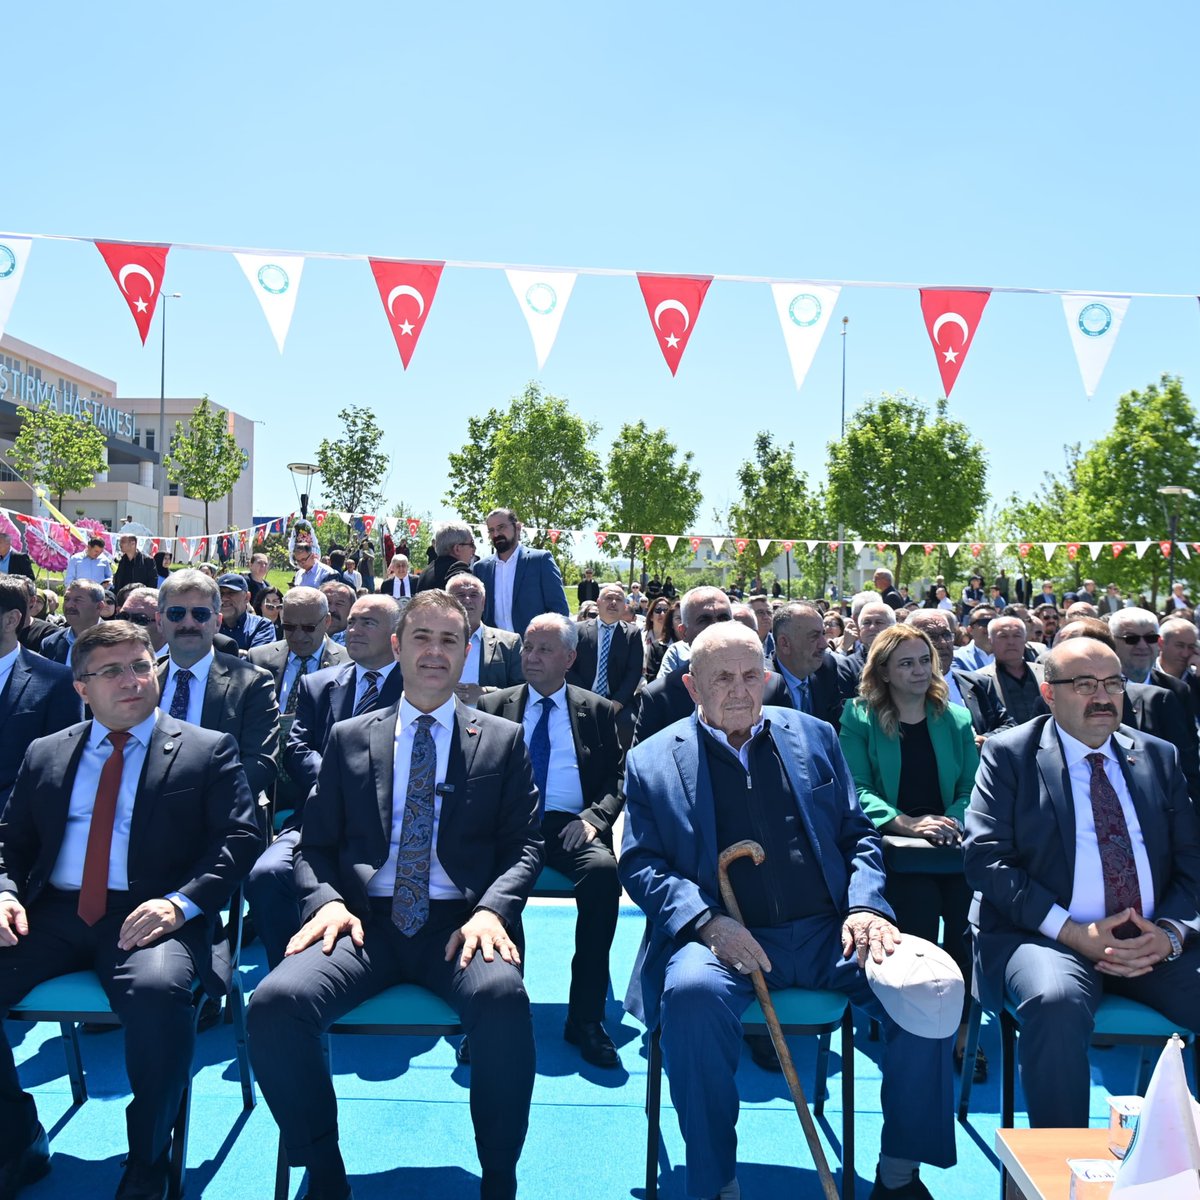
column 237, row 621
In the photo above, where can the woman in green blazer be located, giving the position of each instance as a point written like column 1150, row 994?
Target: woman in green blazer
column 913, row 758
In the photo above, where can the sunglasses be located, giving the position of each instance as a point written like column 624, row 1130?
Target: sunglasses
column 292, row 628
column 177, row 612
column 136, row 618
column 1132, row 639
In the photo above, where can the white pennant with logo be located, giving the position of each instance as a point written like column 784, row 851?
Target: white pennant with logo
column 672, row 541
column 764, row 544
column 14, row 252
column 1049, row 549
column 804, row 311
column 543, row 297
column 275, row 281
column 1093, row 323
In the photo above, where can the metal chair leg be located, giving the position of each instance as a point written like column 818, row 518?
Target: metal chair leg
column 281, row 1172
column 1008, row 1069
column 653, row 1103
column 75, row 1072
column 820, row 1086
column 236, row 1005
column 974, row 1020
column 179, row 1142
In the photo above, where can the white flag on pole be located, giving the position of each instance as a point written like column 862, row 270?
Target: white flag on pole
column 14, row 253
column 543, row 297
column 804, row 310
column 275, row 281
column 1093, row 323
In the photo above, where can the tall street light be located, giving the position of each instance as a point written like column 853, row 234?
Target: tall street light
column 162, row 413
column 841, row 438
column 305, row 471
column 1176, row 495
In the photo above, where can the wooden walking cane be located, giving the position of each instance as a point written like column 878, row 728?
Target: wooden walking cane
column 758, row 854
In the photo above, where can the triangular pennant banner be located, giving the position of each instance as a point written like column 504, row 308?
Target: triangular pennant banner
column 952, row 548
column 811, row 546
column 673, row 302
column 1183, row 549
column 1049, row 549
column 672, row 541
column 1165, row 547
column 647, row 540
column 138, row 271
column 1094, row 549
column 622, row 539
column 1093, row 323
column 1117, row 547
column 858, row 547
column 694, row 542
column 804, row 310
column 1000, row 547
column 543, row 297
column 407, row 290
column 275, row 281
column 904, row 546
column 786, row 547
column 1142, row 547
column 741, row 544
column 717, row 543
column 764, row 544
column 14, row 253
column 951, row 317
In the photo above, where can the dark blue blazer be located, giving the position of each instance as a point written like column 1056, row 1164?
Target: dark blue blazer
column 1019, row 853
column 668, row 861
column 537, row 588
column 39, row 699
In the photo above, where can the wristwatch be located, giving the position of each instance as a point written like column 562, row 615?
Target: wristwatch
column 1173, row 938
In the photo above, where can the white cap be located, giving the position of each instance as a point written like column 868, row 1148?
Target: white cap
column 920, row 987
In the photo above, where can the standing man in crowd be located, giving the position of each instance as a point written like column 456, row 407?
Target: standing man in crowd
column 256, row 579
column 311, row 572
column 91, row 563
column 588, row 588
column 399, row 584
column 133, row 566
column 1177, row 650
column 246, row 628
column 521, row 584
column 493, row 656
column 609, row 658
column 885, row 585
column 454, row 551
column 13, row 562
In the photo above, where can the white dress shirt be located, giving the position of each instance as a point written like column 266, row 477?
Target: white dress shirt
column 1087, row 892
column 6, row 665
column 199, row 682
column 383, row 882
column 563, row 790
column 502, row 590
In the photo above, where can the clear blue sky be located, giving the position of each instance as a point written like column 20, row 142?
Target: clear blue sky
column 1030, row 145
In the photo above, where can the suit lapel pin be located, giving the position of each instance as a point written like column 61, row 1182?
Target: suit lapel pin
column 472, row 731
column 1131, row 760
column 168, row 747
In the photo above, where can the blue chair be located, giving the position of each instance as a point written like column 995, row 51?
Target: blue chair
column 800, row 1011
column 553, row 885
column 403, row 1010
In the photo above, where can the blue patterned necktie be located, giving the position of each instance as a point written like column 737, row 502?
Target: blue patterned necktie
column 539, row 750
column 605, row 634
column 410, row 896
column 805, row 696
column 294, row 691
column 1121, row 890
column 370, row 694
column 183, row 695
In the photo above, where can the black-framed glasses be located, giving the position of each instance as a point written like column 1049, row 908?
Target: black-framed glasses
column 140, row 670
column 136, row 618
column 1132, row 639
column 176, row 612
column 1089, row 685
column 292, row 628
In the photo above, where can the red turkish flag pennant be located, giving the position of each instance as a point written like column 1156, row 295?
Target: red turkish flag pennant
column 1072, row 550
column 414, row 526
column 368, row 523
column 1117, row 547
column 154, row 547
column 601, row 538
column 647, row 540
column 243, row 537
column 187, row 550
column 1165, row 547
column 673, row 302
column 1024, row 548
column 976, row 549
column 319, row 515
column 694, row 543
column 555, row 534
column 787, row 547
column 741, row 544
column 951, row 319
column 881, row 546
column 929, row 547
column 834, row 545
column 138, row 271
column 407, row 290
column 258, row 534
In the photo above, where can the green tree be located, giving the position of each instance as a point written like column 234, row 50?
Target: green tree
column 58, row 450
column 540, row 463
column 900, row 475
column 353, row 468
column 204, row 458
column 649, row 488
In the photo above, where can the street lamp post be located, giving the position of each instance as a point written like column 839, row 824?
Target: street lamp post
column 841, row 437
column 305, row 471
column 162, row 412
column 1176, row 494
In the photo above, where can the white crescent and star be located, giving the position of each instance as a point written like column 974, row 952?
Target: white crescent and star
column 405, row 289
column 133, row 269
column 672, row 306
column 950, row 318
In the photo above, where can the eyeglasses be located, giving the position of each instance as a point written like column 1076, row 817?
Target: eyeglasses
column 292, row 628
column 177, row 612
column 136, row 618
column 140, row 670
column 1132, row 639
column 1088, row 685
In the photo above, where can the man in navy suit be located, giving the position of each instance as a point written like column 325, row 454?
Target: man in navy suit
column 521, row 583
column 736, row 770
column 36, row 696
column 370, row 681
column 1084, row 853
column 420, row 846
column 13, row 562
column 607, row 636
column 818, row 681
column 123, row 839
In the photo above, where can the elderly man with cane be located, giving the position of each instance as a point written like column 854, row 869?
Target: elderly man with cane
column 814, row 915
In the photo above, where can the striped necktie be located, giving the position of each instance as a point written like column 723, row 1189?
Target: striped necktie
column 370, row 694
column 605, row 634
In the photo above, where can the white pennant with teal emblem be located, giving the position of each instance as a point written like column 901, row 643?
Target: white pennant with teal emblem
column 804, row 311
column 1093, row 323
column 275, row 280
column 14, row 252
column 543, row 297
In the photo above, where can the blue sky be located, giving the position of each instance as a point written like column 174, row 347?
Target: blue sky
column 1026, row 145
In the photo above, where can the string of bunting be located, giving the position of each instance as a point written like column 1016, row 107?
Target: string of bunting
column 407, row 289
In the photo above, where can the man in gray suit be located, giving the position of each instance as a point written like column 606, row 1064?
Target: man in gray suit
column 1083, row 850
column 305, row 646
column 494, row 656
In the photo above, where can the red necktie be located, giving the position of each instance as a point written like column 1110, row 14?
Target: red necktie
column 1121, row 890
column 93, row 891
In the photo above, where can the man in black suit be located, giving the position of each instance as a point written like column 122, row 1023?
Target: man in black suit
column 589, row 589
column 133, row 566
column 37, row 697
column 215, row 691
column 494, row 657
column 667, row 699
column 1177, row 650
column 419, row 849
column 1085, row 856
column 885, row 585
column 606, row 640
column 399, row 584
column 571, row 736
column 122, row 840
column 370, row 681
column 819, row 682
column 13, row 562
column 81, row 608
column 454, row 544
column 34, row 630
column 1137, row 641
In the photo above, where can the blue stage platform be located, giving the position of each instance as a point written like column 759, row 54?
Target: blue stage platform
column 406, row 1129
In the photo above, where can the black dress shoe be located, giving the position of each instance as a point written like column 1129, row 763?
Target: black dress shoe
column 145, row 1180
column 462, row 1055
column 594, row 1043
column 914, row 1189
column 762, row 1050
column 27, row 1167
column 210, row 1014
